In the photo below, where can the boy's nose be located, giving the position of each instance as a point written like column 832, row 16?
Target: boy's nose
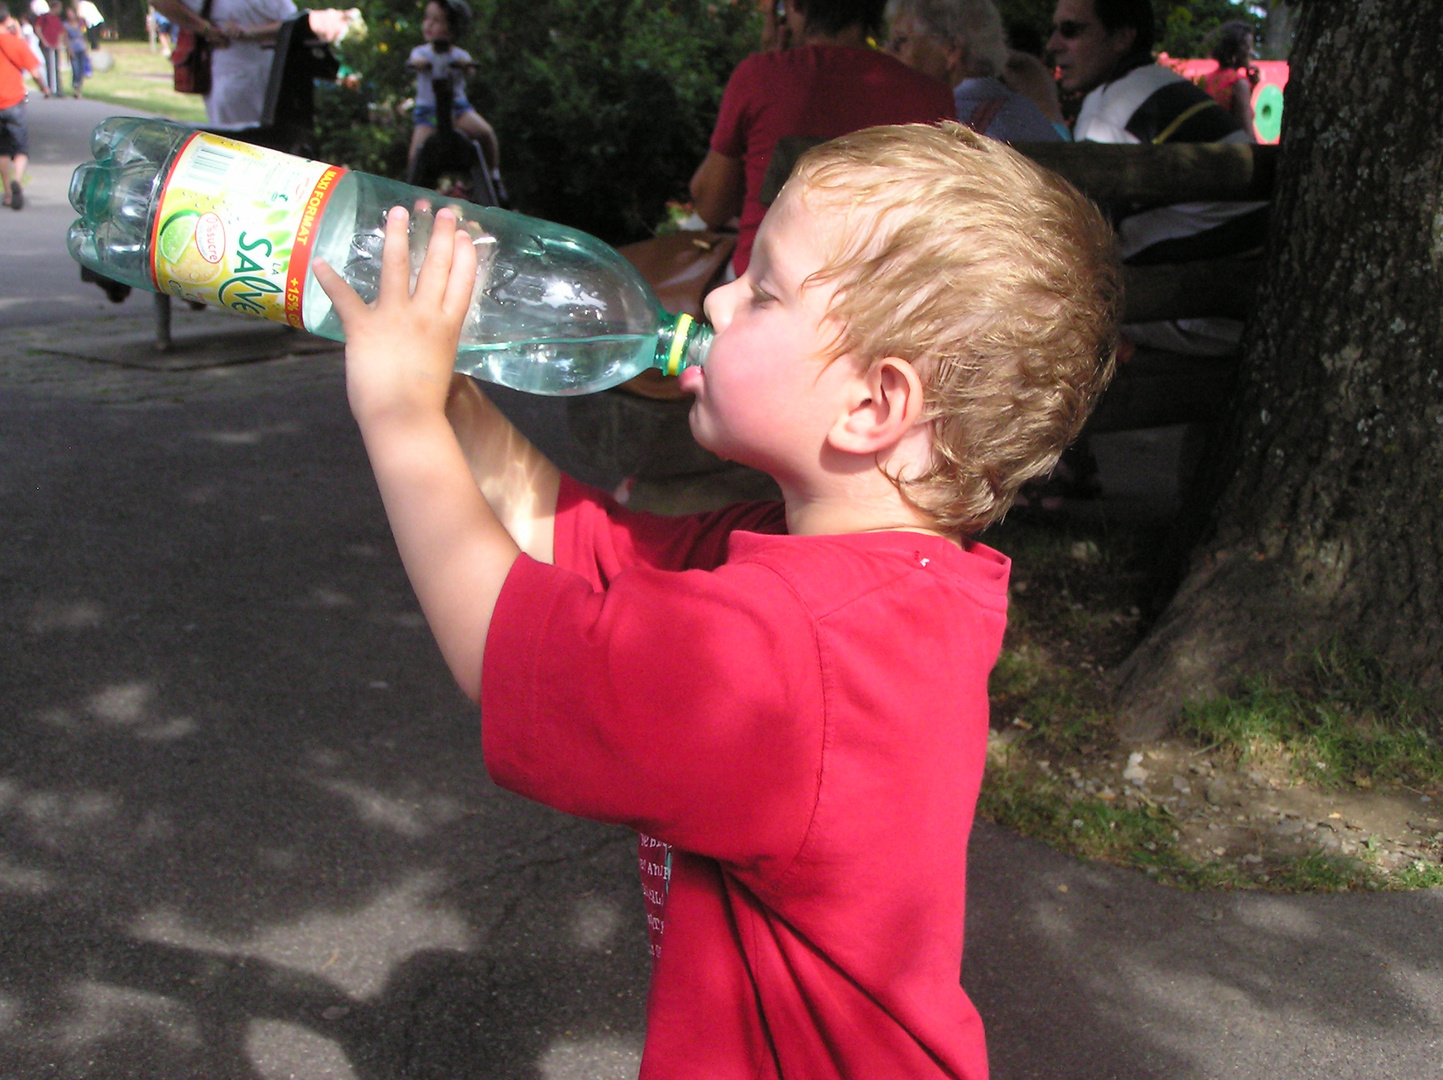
column 717, row 306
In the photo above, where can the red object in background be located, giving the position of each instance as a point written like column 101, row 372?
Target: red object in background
column 1267, row 101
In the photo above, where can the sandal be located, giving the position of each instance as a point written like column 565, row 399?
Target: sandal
column 17, row 195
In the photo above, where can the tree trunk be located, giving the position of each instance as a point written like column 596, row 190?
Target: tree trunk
column 1277, row 43
column 1321, row 504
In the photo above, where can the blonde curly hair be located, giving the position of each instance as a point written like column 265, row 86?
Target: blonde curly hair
column 995, row 278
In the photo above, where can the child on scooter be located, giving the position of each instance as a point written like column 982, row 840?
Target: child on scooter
column 438, row 58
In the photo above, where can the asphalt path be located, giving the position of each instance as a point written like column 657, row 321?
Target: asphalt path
column 245, row 832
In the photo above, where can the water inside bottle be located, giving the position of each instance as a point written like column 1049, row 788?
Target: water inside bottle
column 559, row 367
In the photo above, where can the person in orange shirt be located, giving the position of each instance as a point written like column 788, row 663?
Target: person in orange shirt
column 16, row 58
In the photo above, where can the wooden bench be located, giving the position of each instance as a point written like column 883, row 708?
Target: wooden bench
column 1154, row 388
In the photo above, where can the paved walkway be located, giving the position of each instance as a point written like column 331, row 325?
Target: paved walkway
column 244, row 831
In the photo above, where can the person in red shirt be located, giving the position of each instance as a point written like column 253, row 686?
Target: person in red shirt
column 788, row 700
column 1235, row 79
column 50, row 29
column 831, row 82
column 16, row 59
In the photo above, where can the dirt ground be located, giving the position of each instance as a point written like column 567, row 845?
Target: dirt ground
column 1256, row 818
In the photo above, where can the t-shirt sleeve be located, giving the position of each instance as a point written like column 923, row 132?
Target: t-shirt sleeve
column 20, row 53
column 684, row 705
column 419, row 53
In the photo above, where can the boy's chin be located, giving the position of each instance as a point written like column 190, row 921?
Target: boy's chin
column 703, row 438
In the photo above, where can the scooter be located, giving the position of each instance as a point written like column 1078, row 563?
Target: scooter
column 452, row 162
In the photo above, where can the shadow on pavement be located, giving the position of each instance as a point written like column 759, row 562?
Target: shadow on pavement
column 244, row 828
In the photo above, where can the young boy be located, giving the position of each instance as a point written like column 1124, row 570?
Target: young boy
column 788, row 702
column 16, row 59
column 442, row 22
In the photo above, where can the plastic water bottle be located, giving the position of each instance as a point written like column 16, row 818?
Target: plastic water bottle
column 205, row 218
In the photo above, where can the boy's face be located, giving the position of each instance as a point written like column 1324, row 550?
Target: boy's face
column 769, row 391
column 435, row 24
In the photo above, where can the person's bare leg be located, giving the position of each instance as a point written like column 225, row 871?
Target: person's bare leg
column 7, row 173
column 419, row 135
column 473, row 124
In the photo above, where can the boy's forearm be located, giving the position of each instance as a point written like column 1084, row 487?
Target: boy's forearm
column 517, row 480
column 456, row 551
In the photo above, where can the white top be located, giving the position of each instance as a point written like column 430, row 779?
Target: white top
column 90, row 13
column 1103, row 118
column 240, row 71
column 440, row 68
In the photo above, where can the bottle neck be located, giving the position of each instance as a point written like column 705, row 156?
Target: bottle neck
column 681, row 343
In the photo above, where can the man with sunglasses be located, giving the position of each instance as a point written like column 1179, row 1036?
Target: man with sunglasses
column 1104, row 48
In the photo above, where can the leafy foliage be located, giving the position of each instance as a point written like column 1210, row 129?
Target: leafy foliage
column 1185, row 28
column 1188, row 28
column 603, row 107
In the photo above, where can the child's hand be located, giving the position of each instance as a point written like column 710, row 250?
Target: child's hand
column 401, row 350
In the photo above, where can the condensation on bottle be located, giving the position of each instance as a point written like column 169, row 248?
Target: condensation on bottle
column 209, row 219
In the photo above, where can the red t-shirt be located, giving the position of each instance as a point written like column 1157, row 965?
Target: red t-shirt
column 1220, row 84
column 16, row 58
column 820, row 91
column 797, row 726
column 50, row 29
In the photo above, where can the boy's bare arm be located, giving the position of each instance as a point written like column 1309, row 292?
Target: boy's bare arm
column 399, row 357
column 519, row 481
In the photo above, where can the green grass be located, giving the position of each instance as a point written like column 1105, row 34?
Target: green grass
column 1145, row 839
column 1343, row 721
column 1092, row 828
column 1075, row 614
column 140, row 81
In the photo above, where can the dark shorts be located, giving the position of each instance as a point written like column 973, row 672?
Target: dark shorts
column 426, row 114
column 13, row 136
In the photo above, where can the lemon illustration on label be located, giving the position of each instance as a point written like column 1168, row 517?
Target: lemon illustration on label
column 192, row 245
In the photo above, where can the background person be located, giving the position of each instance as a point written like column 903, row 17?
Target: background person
column 829, row 83
column 79, row 49
column 1104, row 48
column 17, row 60
column 94, row 19
column 243, row 33
column 1027, row 74
column 439, row 58
column 961, row 43
column 50, row 29
column 163, row 30
column 1232, row 84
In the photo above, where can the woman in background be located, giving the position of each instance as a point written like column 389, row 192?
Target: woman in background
column 1231, row 85
column 830, row 82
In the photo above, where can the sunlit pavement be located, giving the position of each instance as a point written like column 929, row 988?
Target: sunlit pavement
column 244, row 829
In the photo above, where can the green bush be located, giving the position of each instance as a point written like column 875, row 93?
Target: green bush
column 603, row 107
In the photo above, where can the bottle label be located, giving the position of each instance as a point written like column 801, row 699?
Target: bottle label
column 237, row 224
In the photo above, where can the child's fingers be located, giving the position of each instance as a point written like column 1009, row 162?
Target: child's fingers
column 440, row 251
column 343, row 298
column 395, row 257
column 463, row 275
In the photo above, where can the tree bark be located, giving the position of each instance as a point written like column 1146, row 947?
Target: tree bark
column 1321, row 501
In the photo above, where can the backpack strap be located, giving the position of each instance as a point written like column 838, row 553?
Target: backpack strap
column 985, row 112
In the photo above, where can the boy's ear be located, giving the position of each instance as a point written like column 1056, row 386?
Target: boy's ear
column 884, row 407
